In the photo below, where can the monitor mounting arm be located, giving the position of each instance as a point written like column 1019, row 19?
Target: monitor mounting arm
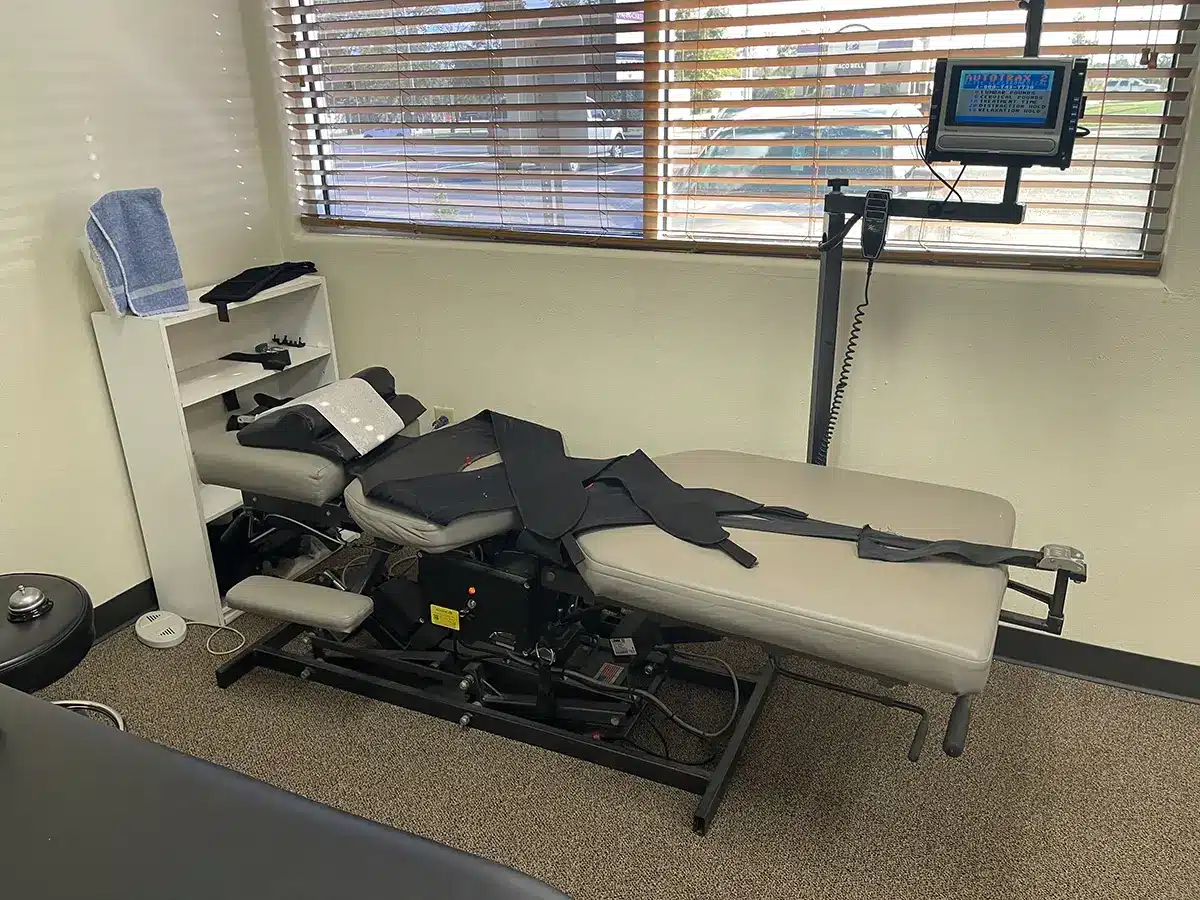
column 840, row 205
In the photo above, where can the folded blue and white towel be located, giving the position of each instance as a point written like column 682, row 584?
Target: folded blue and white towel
column 129, row 234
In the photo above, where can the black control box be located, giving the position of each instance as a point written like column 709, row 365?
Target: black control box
column 483, row 602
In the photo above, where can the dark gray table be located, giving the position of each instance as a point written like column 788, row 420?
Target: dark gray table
column 88, row 811
column 40, row 651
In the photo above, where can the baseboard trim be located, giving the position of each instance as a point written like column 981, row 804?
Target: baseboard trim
column 1106, row 665
column 124, row 608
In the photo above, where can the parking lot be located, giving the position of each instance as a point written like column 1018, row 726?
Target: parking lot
column 436, row 183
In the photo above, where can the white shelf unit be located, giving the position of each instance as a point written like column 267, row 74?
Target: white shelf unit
column 166, row 379
column 212, row 379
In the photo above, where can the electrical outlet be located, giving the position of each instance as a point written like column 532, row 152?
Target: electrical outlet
column 446, row 412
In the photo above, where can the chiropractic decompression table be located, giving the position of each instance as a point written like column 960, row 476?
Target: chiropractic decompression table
column 931, row 623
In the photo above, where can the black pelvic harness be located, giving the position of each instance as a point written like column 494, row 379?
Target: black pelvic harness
column 559, row 497
column 253, row 281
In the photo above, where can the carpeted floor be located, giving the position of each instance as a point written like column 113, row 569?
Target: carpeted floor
column 1067, row 790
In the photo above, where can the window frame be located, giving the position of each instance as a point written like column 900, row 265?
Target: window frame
column 655, row 154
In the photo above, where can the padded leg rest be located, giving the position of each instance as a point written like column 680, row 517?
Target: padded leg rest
column 304, row 604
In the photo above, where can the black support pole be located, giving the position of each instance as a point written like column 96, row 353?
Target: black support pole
column 838, row 205
column 1035, row 11
column 825, row 341
column 1012, row 185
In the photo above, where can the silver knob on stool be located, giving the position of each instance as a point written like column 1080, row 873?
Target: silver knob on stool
column 27, row 603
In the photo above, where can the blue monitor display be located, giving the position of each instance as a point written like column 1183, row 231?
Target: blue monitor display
column 1009, row 96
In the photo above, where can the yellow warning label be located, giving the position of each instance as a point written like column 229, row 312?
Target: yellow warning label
column 447, row 618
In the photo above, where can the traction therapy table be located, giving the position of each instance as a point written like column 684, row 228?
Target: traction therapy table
column 931, row 623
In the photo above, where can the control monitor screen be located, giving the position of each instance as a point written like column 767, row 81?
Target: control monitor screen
column 1008, row 97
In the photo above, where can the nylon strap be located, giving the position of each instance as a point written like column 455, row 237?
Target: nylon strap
column 882, row 545
column 672, row 507
column 896, row 548
column 548, row 492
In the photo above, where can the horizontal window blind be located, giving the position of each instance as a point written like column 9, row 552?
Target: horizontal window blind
column 707, row 124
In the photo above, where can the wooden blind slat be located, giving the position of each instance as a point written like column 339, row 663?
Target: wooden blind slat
column 741, row 197
column 1099, row 98
column 399, row 111
column 487, row 126
column 1096, row 101
column 314, row 32
column 448, row 193
column 733, row 43
column 595, row 31
column 965, row 183
column 404, row 81
column 681, row 213
column 966, row 8
column 1106, row 261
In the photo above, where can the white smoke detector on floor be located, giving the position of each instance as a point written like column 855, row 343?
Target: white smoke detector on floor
column 161, row 630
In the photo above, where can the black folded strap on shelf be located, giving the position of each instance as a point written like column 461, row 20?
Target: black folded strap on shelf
column 252, row 281
column 275, row 359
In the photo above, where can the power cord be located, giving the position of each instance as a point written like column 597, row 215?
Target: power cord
column 834, row 239
column 952, row 188
column 308, row 528
column 605, row 689
column 217, row 629
column 666, row 751
column 343, row 573
column 839, row 391
column 670, row 713
column 699, row 732
column 409, row 562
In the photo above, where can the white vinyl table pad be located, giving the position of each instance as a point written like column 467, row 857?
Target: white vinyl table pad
column 356, row 410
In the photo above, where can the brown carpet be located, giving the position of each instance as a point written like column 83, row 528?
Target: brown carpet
column 1067, row 790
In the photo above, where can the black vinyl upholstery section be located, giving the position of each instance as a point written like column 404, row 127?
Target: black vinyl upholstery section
column 560, row 497
column 93, row 812
column 303, row 429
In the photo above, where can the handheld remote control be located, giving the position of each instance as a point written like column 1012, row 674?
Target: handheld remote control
column 875, row 223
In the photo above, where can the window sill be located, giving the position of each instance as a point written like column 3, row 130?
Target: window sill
column 382, row 238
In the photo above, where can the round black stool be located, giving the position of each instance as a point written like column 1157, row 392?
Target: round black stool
column 47, row 627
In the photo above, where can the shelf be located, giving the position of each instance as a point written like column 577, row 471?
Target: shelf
column 166, row 385
column 212, row 379
column 198, row 310
column 218, row 501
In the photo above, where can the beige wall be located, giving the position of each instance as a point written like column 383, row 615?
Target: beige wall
column 104, row 95
column 1075, row 396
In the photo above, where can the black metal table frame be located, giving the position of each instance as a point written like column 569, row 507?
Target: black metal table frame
column 269, row 652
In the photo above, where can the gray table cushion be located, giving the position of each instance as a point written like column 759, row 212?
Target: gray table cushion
column 303, row 477
column 305, row 604
column 404, row 528
column 932, row 623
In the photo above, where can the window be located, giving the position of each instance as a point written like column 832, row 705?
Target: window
column 713, row 125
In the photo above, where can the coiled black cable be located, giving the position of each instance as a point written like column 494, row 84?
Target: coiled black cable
column 839, row 391
column 834, row 239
